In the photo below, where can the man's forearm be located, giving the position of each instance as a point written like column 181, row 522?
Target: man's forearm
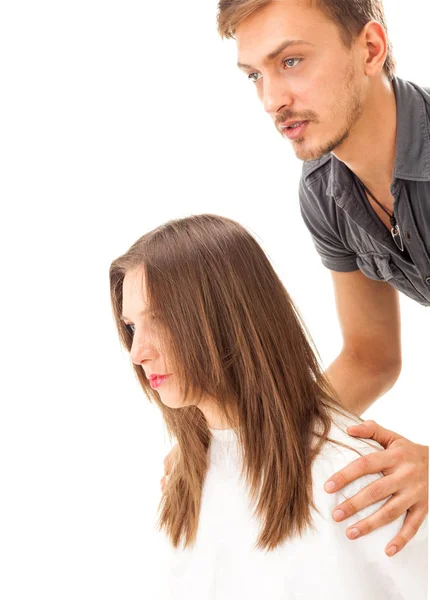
column 359, row 382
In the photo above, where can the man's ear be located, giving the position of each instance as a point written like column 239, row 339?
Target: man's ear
column 373, row 43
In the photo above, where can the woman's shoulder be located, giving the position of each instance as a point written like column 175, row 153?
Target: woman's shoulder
column 342, row 445
column 338, row 451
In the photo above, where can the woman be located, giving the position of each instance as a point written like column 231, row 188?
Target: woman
column 218, row 345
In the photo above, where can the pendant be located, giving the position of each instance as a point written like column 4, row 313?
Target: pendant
column 397, row 237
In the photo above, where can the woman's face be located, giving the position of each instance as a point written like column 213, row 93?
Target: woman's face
column 146, row 349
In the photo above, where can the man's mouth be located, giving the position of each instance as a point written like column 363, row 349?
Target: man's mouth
column 290, row 124
column 294, row 129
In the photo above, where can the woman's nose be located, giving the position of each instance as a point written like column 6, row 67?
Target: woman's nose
column 142, row 351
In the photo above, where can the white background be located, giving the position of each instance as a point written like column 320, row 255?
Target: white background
column 116, row 116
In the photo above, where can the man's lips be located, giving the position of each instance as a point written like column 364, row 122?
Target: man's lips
column 291, row 122
column 293, row 133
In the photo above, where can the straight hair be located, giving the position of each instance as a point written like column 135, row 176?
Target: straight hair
column 233, row 333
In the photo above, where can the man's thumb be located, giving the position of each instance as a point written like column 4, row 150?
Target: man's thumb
column 371, row 430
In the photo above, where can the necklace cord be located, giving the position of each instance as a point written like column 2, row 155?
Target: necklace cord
column 395, row 231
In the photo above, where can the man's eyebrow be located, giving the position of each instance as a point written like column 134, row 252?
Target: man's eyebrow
column 142, row 312
column 278, row 51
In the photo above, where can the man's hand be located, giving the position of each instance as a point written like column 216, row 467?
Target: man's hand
column 168, row 461
column 405, row 466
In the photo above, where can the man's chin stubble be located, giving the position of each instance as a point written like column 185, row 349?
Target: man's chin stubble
column 316, row 154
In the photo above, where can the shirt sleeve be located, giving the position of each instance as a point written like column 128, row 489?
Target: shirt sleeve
column 328, row 243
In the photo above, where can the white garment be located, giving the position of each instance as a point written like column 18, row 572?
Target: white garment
column 325, row 565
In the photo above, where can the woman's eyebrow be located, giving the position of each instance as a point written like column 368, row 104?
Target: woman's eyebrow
column 141, row 313
column 277, row 51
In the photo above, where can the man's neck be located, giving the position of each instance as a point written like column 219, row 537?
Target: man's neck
column 370, row 149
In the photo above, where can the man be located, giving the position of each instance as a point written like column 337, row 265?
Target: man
column 324, row 72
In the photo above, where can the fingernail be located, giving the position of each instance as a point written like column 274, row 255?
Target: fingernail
column 330, row 486
column 353, row 533
column 391, row 550
column 338, row 515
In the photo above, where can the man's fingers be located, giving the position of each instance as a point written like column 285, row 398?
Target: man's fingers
column 375, row 462
column 371, row 430
column 394, row 508
column 374, row 492
column 168, row 463
column 414, row 519
column 169, row 459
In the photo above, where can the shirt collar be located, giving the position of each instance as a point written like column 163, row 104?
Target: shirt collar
column 412, row 142
column 413, row 135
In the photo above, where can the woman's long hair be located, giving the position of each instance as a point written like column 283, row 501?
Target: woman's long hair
column 233, row 334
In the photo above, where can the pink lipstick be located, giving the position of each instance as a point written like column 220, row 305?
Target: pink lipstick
column 156, row 380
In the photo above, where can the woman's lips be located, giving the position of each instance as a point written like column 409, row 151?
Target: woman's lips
column 157, row 380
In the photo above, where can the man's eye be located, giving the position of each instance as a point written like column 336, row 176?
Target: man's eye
column 253, row 77
column 288, row 62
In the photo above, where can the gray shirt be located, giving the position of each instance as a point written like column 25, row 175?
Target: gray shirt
column 347, row 232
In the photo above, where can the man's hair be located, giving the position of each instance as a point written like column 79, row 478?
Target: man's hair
column 349, row 15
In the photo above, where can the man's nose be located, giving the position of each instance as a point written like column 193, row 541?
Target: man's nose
column 276, row 95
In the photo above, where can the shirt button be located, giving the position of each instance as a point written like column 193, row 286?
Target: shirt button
column 428, row 280
column 379, row 274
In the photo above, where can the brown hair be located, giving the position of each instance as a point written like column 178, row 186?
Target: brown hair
column 349, row 15
column 235, row 334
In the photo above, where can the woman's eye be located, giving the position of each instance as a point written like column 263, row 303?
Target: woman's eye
column 253, row 77
column 288, row 62
column 130, row 328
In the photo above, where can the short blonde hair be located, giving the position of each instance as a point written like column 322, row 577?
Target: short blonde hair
column 349, row 15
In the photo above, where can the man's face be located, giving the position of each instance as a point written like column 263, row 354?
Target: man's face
column 312, row 81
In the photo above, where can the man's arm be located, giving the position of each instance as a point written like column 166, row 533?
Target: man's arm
column 366, row 368
column 370, row 361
